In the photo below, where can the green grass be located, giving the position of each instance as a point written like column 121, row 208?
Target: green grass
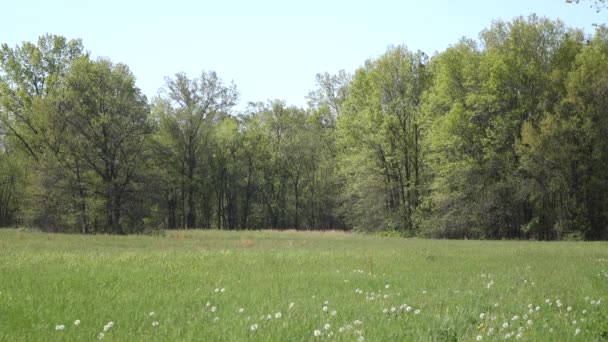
column 48, row 280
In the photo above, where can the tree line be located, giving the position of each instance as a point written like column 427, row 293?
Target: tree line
column 501, row 137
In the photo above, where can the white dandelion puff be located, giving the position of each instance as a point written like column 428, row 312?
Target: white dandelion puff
column 241, row 310
column 317, row 333
column 77, row 322
column 253, row 327
column 482, row 315
column 100, row 336
column 155, row 323
column 327, row 326
column 417, row 312
column 479, row 338
column 278, row 315
column 60, row 327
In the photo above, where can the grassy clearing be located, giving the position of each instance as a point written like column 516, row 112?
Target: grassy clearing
column 341, row 282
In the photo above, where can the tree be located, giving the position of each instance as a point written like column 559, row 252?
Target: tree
column 380, row 123
column 104, row 120
column 189, row 108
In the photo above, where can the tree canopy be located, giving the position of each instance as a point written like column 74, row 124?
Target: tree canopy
column 501, row 137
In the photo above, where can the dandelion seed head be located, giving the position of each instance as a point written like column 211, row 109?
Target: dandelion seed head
column 317, row 333
column 77, row 322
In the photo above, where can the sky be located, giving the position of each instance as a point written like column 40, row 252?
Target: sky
column 271, row 49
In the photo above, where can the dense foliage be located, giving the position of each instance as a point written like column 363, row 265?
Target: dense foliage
column 504, row 137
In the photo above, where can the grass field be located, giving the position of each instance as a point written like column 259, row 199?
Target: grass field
column 288, row 286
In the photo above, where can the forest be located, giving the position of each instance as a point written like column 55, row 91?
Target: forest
column 500, row 137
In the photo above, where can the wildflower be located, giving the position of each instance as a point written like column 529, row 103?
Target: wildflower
column 60, row 327
column 559, row 305
column 341, row 329
column 325, row 308
column 385, row 311
column 569, row 308
column 317, row 333
column 222, row 290
column 408, row 309
column 574, row 322
column 208, row 304
column 213, row 309
column 268, row 317
column 551, row 330
column 598, row 302
column 387, row 286
column 241, row 310
column 490, row 331
column 592, row 302
column 385, row 296
column 505, row 325
column 151, row 314
column 547, row 301
column 519, row 335
column 360, row 339
column 584, row 312
column 278, row 315
column 327, row 326
column 216, row 319
column 515, row 318
column 333, row 313
column 393, row 309
column 217, row 290
column 482, row 315
column 100, row 336
column 77, row 322
column 479, row 338
column 531, row 311
column 577, row 331
column 507, row 336
column 537, row 308
column 417, row 312
column 357, row 322
column 253, row 327
column 424, row 292
column 155, row 323
column 530, row 306
column 326, row 302
column 291, row 305
column 529, row 322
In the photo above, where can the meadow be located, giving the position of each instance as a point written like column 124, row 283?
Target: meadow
column 298, row 286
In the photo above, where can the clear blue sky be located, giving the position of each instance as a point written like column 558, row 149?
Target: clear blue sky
column 272, row 49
